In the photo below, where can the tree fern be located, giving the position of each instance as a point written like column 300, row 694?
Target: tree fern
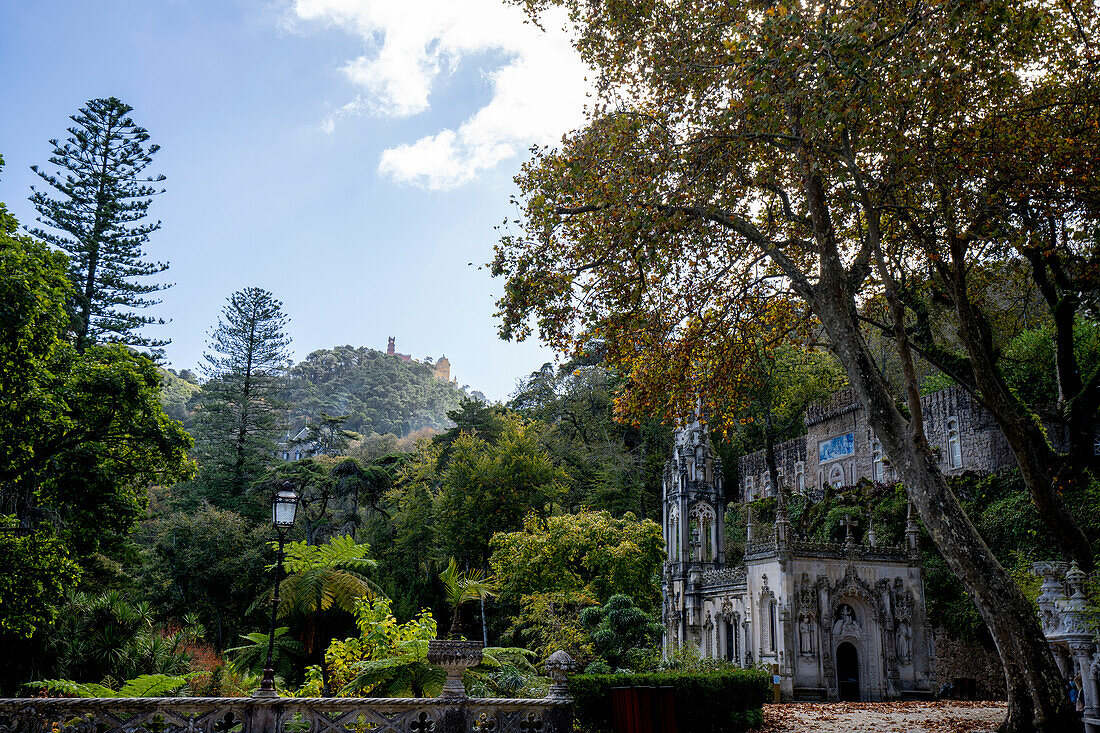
column 326, row 576
column 147, row 685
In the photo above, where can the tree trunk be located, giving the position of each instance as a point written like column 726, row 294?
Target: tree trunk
column 456, row 623
column 1036, row 697
column 1021, row 427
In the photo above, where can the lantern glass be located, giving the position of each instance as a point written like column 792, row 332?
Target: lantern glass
column 284, row 507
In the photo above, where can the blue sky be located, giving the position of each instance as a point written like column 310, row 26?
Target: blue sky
column 348, row 155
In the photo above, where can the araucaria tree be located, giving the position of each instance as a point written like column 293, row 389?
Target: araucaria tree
column 241, row 414
column 746, row 155
column 96, row 206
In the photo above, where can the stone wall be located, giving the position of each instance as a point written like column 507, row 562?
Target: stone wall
column 956, row 658
column 790, row 459
column 981, row 444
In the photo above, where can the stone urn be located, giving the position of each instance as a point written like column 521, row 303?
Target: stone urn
column 454, row 656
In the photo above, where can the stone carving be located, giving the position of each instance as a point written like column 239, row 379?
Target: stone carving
column 558, row 665
column 903, row 602
column 846, row 623
column 904, row 641
column 416, row 715
column 806, row 635
column 807, row 598
column 454, row 657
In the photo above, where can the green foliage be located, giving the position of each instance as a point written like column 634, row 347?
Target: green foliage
column 462, row 587
column 240, row 410
column 327, row 436
column 489, row 487
column 622, row 634
column 1028, row 360
column 388, row 659
column 505, row 672
column 39, row 571
column 98, row 210
column 253, row 655
column 553, row 569
column 82, row 435
column 147, row 685
column 780, row 382
column 209, row 562
column 714, row 702
column 377, row 393
column 612, row 465
column 108, row 635
column 588, row 551
column 115, row 442
column 178, row 395
column 33, row 291
column 331, row 575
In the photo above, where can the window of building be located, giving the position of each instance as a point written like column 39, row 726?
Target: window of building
column 799, row 478
column 836, row 476
column 878, row 466
column 766, row 484
column 954, row 445
column 749, row 489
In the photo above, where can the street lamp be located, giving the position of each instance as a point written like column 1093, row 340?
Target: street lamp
column 284, row 505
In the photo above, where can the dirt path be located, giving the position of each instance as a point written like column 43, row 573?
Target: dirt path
column 883, row 717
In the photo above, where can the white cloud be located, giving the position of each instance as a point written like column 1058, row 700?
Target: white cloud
column 538, row 90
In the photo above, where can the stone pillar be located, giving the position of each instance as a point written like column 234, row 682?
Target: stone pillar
column 748, row 658
column 684, row 528
column 786, row 638
column 1082, row 653
column 912, row 533
column 720, row 625
column 1052, row 594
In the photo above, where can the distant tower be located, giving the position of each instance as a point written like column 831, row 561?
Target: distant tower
column 443, row 369
column 391, row 347
column 694, row 509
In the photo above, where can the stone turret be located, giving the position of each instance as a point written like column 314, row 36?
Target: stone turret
column 693, row 512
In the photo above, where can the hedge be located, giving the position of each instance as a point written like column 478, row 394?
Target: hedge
column 705, row 702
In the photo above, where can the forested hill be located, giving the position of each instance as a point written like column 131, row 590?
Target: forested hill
column 378, row 393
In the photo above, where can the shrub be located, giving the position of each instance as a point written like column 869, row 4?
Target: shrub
column 714, row 702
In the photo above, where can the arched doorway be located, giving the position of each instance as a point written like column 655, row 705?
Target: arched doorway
column 847, row 672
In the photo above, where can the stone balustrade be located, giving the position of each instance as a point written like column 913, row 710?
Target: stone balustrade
column 451, row 713
column 298, row 714
column 1065, row 617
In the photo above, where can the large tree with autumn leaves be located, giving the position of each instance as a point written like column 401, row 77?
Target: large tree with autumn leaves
column 774, row 162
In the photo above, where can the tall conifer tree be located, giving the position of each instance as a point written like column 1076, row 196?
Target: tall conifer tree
column 241, row 413
column 97, row 202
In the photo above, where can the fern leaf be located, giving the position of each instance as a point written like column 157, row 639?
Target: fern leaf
column 154, row 685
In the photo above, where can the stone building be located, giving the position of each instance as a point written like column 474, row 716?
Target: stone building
column 840, row 448
column 840, row 620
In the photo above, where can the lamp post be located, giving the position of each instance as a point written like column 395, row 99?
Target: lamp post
column 284, row 506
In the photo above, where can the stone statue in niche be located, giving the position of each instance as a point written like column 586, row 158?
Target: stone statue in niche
column 805, row 635
column 904, row 638
column 846, row 623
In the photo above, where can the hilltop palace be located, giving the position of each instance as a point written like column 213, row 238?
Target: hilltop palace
column 843, row 620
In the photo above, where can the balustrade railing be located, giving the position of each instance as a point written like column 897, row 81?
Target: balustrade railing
column 291, row 714
column 451, row 713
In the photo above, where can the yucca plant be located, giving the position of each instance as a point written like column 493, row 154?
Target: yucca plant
column 463, row 587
